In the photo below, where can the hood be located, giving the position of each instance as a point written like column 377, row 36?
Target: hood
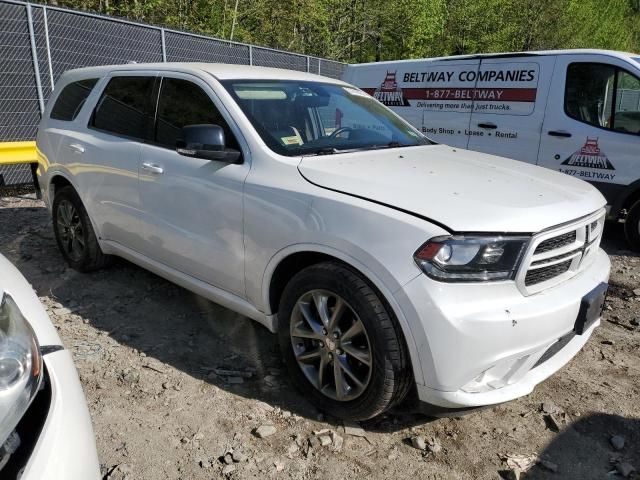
column 462, row 190
column 13, row 283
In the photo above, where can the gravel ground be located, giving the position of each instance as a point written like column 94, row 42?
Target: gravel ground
column 153, row 360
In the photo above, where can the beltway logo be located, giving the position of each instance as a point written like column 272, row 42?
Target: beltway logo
column 589, row 156
column 389, row 94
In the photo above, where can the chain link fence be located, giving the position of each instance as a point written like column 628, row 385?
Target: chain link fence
column 38, row 43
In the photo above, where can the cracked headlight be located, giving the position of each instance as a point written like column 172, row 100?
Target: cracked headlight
column 20, row 366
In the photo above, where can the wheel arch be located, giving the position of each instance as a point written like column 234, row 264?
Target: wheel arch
column 632, row 197
column 289, row 261
column 58, row 180
column 626, row 199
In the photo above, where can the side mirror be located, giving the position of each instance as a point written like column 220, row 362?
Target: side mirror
column 205, row 141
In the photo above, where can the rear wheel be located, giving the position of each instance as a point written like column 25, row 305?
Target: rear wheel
column 74, row 233
column 343, row 348
column 632, row 226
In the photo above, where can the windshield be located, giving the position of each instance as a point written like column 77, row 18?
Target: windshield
column 637, row 59
column 310, row 118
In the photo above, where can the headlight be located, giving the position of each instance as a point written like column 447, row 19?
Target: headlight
column 20, row 366
column 471, row 258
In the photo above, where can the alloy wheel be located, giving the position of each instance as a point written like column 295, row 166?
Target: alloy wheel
column 331, row 345
column 70, row 230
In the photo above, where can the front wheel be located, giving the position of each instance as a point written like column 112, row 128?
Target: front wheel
column 74, row 233
column 632, row 226
column 342, row 346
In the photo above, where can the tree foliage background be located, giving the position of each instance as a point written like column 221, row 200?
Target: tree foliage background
column 369, row 30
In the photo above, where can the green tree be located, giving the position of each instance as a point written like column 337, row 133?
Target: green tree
column 372, row 30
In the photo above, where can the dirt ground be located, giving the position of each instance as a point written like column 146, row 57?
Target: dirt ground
column 152, row 359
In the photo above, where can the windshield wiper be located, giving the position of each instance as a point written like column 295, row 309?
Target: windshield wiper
column 326, row 151
column 333, row 150
column 392, row 144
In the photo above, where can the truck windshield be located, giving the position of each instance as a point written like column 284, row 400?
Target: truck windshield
column 312, row 118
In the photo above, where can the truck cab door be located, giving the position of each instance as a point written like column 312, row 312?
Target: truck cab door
column 509, row 106
column 592, row 126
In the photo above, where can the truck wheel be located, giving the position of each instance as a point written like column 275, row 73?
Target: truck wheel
column 632, row 226
column 342, row 347
column 74, row 233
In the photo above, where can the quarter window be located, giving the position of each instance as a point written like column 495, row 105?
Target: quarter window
column 603, row 96
column 184, row 103
column 71, row 99
column 125, row 108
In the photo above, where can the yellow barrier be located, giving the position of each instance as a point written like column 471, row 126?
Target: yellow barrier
column 17, row 152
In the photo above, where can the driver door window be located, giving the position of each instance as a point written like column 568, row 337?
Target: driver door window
column 603, row 96
column 184, row 103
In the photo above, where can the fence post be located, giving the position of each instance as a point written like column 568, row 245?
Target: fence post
column 46, row 38
column 250, row 55
column 308, row 64
column 164, row 45
column 34, row 56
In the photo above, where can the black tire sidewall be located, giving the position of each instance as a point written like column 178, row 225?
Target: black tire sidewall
column 631, row 228
column 377, row 397
column 90, row 253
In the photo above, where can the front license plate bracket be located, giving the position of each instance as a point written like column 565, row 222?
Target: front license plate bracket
column 591, row 308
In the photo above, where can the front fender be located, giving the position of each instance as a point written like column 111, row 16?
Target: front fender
column 371, row 275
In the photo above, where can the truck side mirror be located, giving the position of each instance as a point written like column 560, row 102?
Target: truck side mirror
column 206, row 141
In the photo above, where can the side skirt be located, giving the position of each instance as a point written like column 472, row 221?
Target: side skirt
column 215, row 294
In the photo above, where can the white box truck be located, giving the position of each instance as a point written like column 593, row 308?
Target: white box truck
column 575, row 111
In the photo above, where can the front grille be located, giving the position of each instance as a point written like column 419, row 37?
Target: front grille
column 553, row 259
column 543, row 274
column 556, row 242
column 555, row 255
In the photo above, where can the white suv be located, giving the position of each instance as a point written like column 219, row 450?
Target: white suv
column 386, row 263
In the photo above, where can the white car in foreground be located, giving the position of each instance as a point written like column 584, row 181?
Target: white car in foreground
column 45, row 428
column 387, row 264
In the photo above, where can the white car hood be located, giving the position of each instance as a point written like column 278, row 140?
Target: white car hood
column 462, row 190
column 13, row 283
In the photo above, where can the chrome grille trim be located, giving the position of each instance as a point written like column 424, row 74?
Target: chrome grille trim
column 557, row 254
column 556, row 242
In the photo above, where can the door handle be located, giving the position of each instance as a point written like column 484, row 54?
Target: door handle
column 76, row 147
column 153, row 168
column 559, row 133
column 491, row 126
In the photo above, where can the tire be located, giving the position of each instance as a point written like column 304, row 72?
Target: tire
column 74, row 233
column 632, row 226
column 387, row 378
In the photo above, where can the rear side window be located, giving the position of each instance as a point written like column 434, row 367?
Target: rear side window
column 124, row 107
column 603, row 96
column 71, row 99
column 184, row 103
